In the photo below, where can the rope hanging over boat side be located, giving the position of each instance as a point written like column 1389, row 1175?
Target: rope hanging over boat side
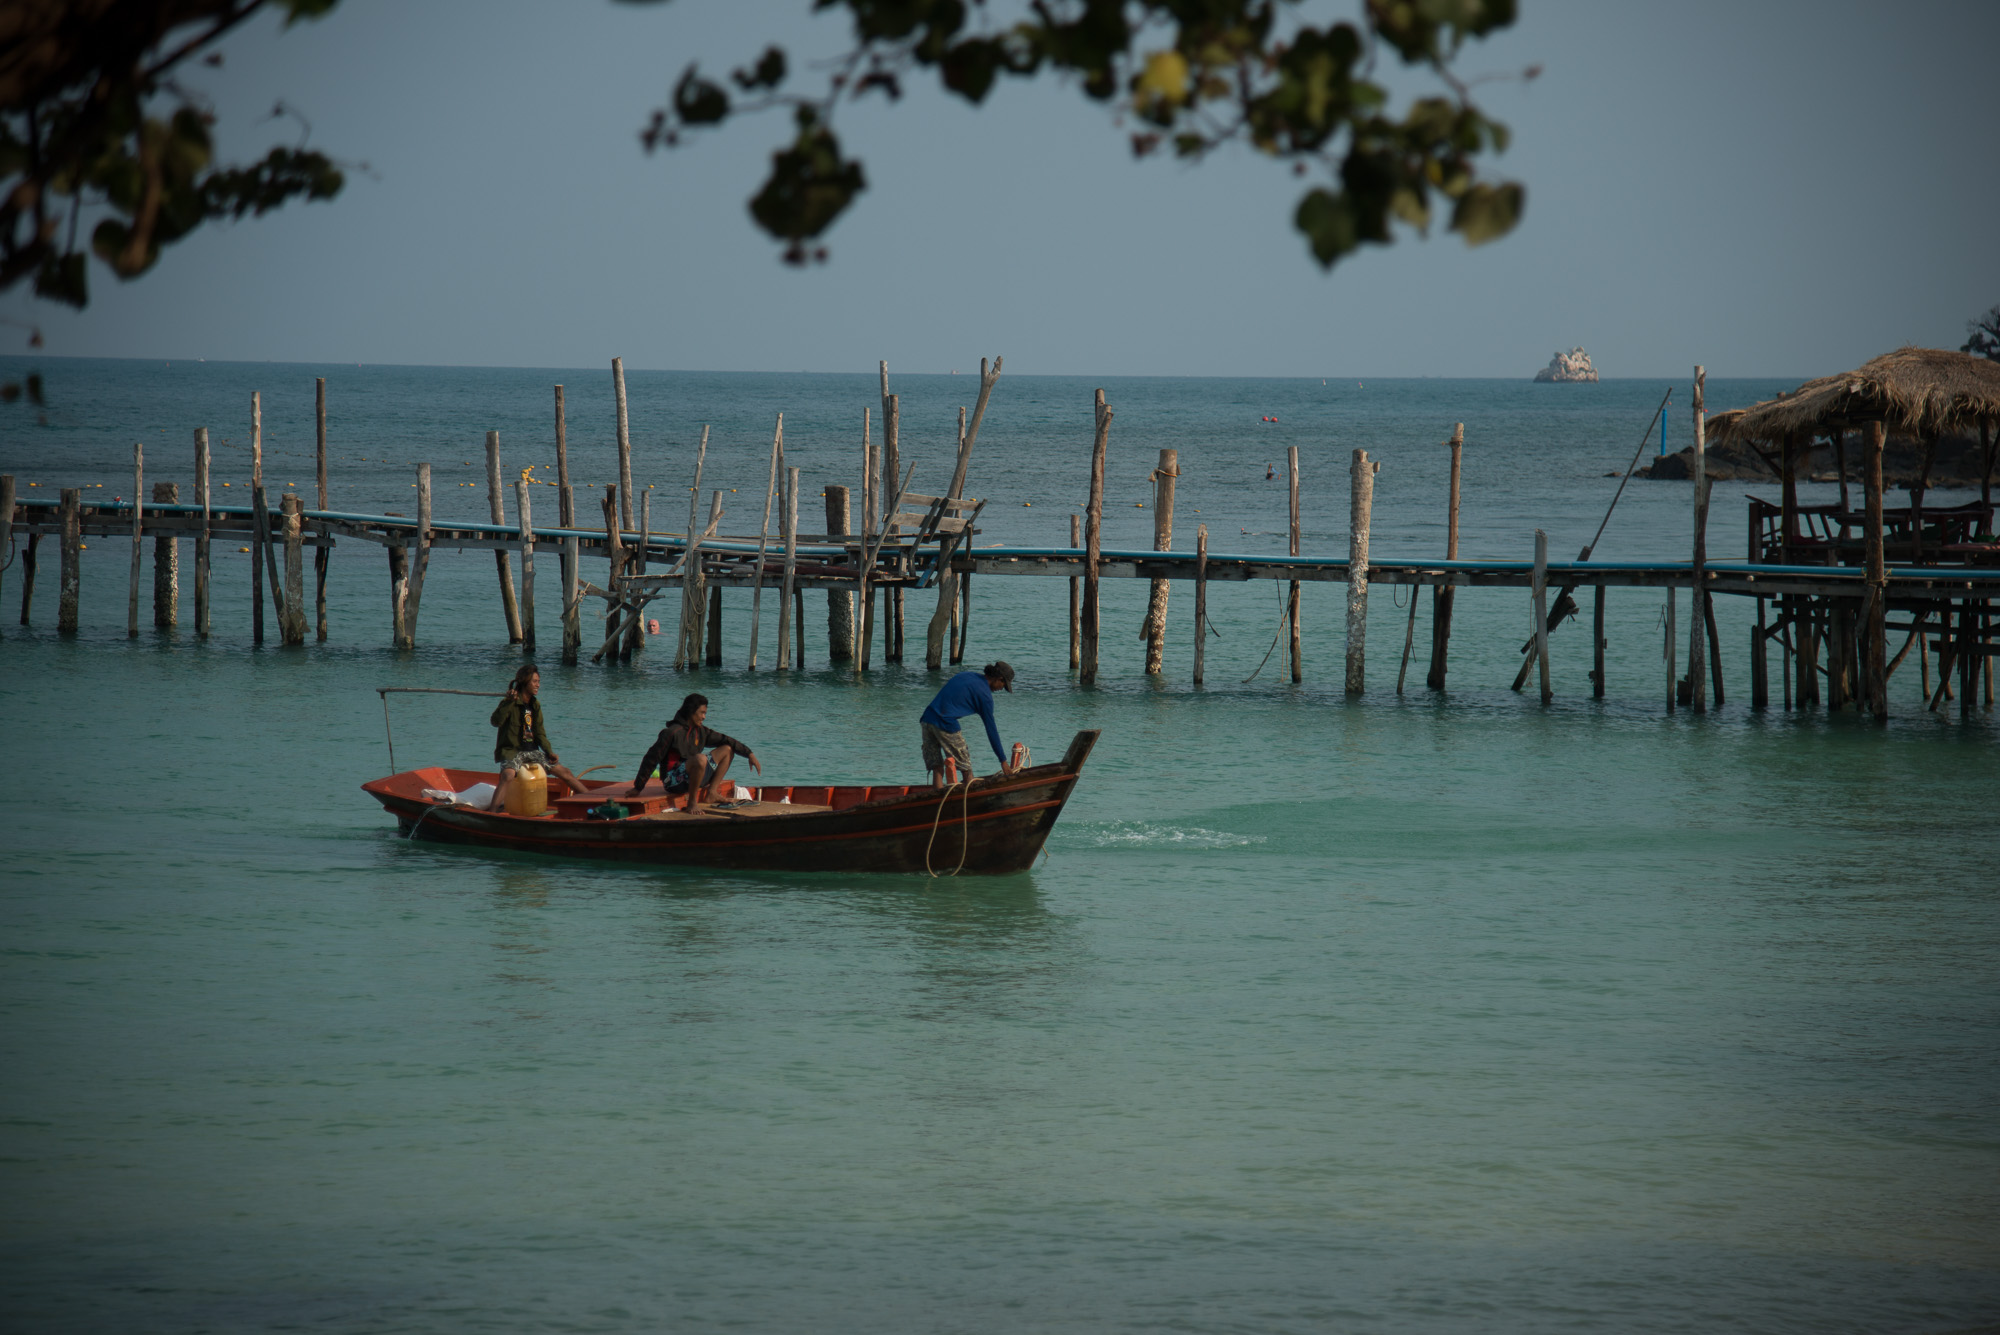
column 964, row 827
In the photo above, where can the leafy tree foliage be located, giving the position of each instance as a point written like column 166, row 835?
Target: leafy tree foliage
column 93, row 117
column 1185, row 77
column 1985, row 340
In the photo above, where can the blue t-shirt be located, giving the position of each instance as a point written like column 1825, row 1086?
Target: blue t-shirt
column 962, row 696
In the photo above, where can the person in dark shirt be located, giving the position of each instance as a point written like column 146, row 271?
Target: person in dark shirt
column 677, row 753
column 523, row 738
column 964, row 695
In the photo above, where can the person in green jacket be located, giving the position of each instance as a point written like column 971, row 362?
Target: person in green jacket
column 524, row 737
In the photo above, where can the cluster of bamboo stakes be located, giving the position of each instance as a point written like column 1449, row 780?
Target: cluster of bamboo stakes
column 1855, row 672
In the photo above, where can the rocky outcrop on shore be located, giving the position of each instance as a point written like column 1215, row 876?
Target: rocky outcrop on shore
column 1566, row 368
column 1956, row 464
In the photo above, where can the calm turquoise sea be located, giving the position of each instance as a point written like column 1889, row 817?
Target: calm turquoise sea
column 1390, row 1014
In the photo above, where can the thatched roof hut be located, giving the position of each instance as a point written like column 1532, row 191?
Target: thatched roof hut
column 1918, row 392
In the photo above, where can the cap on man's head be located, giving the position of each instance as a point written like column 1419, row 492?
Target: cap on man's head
column 1003, row 674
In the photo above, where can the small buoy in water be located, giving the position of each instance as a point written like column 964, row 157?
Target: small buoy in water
column 242, row 549
column 652, row 625
column 1026, row 503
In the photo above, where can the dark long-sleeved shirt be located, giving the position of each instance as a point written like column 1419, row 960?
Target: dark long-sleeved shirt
column 677, row 741
column 962, row 696
column 521, row 728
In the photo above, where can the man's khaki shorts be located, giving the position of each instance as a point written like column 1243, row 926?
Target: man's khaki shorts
column 938, row 744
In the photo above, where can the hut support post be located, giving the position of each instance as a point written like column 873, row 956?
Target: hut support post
column 1093, row 543
column 1200, row 599
column 892, row 598
column 70, row 577
column 259, row 528
column 934, row 635
column 572, row 621
column 28, row 576
column 1154, row 630
column 687, row 645
column 1360, row 511
column 1875, row 633
column 1697, row 605
column 1673, row 668
column 1714, row 645
column 864, row 597
column 420, row 561
column 323, row 554
column 138, row 537
column 201, row 542
column 524, row 508
column 1441, row 597
column 166, row 560
column 614, row 576
column 1077, row 594
column 498, row 507
column 1760, row 660
column 964, row 630
column 6, row 522
column 840, row 602
column 1292, row 547
column 635, row 620
column 713, row 656
column 572, row 548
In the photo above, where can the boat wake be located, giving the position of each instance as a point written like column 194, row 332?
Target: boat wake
column 1151, row 834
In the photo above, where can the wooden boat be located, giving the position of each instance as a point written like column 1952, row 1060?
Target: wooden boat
column 992, row 825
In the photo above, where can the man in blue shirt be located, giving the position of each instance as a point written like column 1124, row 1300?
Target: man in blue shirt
column 964, row 695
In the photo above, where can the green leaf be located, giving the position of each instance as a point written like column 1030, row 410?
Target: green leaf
column 1488, row 212
column 699, row 102
column 1328, row 224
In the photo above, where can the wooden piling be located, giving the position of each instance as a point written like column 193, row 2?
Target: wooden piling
column 6, row 523
column 864, row 597
column 1673, row 668
column 524, row 508
column 1093, row 543
column 69, row 583
column 1597, row 643
column 1875, row 631
column 892, row 598
column 572, row 548
column 202, row 539
column 1441, row 597
column 839, row 602
column 790, row 582
column 260, row 525
column 166, row 562
column 1292, row 601
column 635, row 620
column 1360, row 512
column 497, row 507
column 964, row 618
column 614, row 575
column 713, row 658
column 763, row 538
column 1154, row 629
column 1200, row 599
column 1540, row 590
column 28, row 576
column 687, row 646
column 420, row 561
column 292, row 619
column 323, row 554
column 138, row 536
column 624, row 445
column 947, row 603
column 1698, row 615
column 1075, row 596
column 1760, row 660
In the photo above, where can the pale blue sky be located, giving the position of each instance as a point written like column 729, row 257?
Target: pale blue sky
column 1771, row 189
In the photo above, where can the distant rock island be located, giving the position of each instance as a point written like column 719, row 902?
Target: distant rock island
column 1567, row 368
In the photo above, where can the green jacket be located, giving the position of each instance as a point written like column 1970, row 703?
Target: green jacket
column 517, row 724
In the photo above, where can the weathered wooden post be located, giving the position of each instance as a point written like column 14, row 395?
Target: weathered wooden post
column 524, row 508
column 1540, row 587
column 292, row 620
column 635, row 621
column 1361, row 509
column 687, row 648
column 138, row 538
column 892, row 598
column 1075, row 596
column 1673, row 667
column 964, row 627
column 1441, row 597
column 790, row 584
column 1200, row 598
column 864, row 597
column 498, row 508
column 1714, row 645
column 934, row 635
column 166, row 561
column 1154, row 628
column 201, row 542
column 624, row 445
column 260, row 533
column 70, row 580
column 763, row 538
column 1292, row 547
column 420, row 562
column 1697, row 639
column 323, row 554
column 1875, row 634
column 572, row 547
column 839, row 602
column 1093, row 543
column 1597, row 641
column 6, row 523
column 614, row 575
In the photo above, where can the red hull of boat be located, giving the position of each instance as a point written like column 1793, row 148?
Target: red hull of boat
column 998, row 825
